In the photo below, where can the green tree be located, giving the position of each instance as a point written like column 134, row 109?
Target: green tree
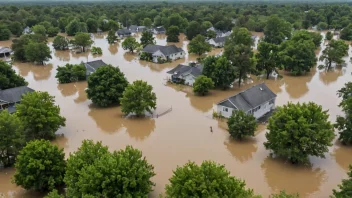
column 305, row 35
column 130, row 44
column 60, row 43
column 172, row 34
column 333, row 53
column 207, row 180
column 198, row 45
column 121, row 174
column 193, row 30
column 147, row 22
column 111, row 37
column 220, row 70
column 283, row 194
column 37, row 52
column 147, row 38
column 96, row 50
column 241, row 124
column 346, row 33
column 113, row 25
column 40, row 166
column 297, row 131
column 322, row 26
column 277, row 30
column 108, row 91
column 71, row 73
column 138, row 98
column 53, row 31
column 82, row 40
column 39, row 29
column 329, row 36
column 202, row 85
column 210, row 34
column 11, row 137
column 345, row 188
column 239, row 51
column 63, row 22
column 74, row 27
column 92, row 25
column 9, row 78
column 54, row 194
column 39, row 115
column 344, row 124
column 267, row 58
column 5, row 33
column 297, row 57
column 16, row 28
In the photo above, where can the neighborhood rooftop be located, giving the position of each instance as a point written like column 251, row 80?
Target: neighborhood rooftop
column 94, row 65
column 123, row 32
column 166, row 50
column 220, row 39
column 160, row 29
column 185, row 69
column 5, row 50
column 250, row 98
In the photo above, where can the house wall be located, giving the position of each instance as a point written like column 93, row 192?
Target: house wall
column 171, row 57
column 222, row 109
column 177, row 55
column 213, row 43
column 189, row 79
column 264, row 109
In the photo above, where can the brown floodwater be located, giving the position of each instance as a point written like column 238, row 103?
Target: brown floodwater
column 184, row 133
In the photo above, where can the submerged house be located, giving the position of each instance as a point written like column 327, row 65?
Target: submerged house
column 257, row 100
column 184, row 74
column 159, row 30
column 27, row 30
column 135, row 28
column 5, row 51
column 10, row 97
column 159, row 53
column 92, row 66
column 217, row 42
column 123, row 33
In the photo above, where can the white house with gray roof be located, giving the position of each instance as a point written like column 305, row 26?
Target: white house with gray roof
column 92, row 66
column 217, row 42
column 257, row 100
column 159, row 30
column 159, row 52
column 10, row 97
column 185, row 74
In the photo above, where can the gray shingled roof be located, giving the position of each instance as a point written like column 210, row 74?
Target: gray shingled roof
column 124, row 32
column 5, row 50
column 160, row 29
column 14, row 95
column 166, row 50
column 250, row 98
column 181, row 70
column 220, row 39
column 94, row 65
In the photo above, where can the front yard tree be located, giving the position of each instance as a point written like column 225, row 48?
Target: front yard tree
column 220, row 70
column 344, row 124
column 130, row 44
column 202, row 85
column 329, row 36
column 40, row 166
column 276, row 30
column 198, row 45
column 147, row 38
column 106, row 85
column 37, row 52
column 283, row 194
column 138, row 98
column 9, row 78
column 345, row 188
column 147, row 22
column 193, row 29
column 39, row 115
column 207, row 180
column 346, row 33
column 172, row 34
column 334, row 53
column 111, row 37
column 5, row 33
column 83, row 40
column 39, row 29
column 267, row 58
column 241, row 124
column 11, row 137
column 297, row 131
column 60, row 43
column 54, row 194
column 239, row 51
column 71, row 73
column 16, row 28
column 53, row 31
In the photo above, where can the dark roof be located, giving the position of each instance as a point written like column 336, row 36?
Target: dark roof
column 123, row 32
column 185, row 69
column 220, row 39
column 250, row 98
column 5, row 50
column 133, row 28
column 166, row 50
column 14, row 94
column 94, row 65
column 160, row 29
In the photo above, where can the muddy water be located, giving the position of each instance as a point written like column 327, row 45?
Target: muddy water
column 184, row 133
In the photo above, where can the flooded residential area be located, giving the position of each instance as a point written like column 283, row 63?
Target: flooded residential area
column 184, row 133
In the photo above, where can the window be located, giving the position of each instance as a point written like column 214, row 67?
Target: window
column 225, row 109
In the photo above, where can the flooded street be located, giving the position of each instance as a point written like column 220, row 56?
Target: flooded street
column 184, row 133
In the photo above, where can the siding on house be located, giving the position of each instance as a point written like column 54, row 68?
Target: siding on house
column 225, row 111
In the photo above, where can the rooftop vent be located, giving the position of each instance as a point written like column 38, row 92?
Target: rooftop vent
column 261, row 89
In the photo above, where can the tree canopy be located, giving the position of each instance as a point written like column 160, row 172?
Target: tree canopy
column 198, row 45
column 138, row 98
column 108, row 91
column 277, row 30
column 241, row 124
column 172, row 34
column 82, row 40
column 345, row 188
column 344, row 124
column 37, row 52
column 40, row 166
column 130, row 44
column 267, row 57
column 147, row 38
column 333, row 53
column 202, row 85
column 71, row 73
column 111, row 37
column 60, row 43
column 346, row 33
column 9, row 78
column 297, row 131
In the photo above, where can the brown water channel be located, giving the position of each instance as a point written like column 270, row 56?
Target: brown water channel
column 184, row 133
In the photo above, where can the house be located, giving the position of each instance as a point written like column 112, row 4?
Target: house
column 219, row 33
column 135, row 28
column 217, row 42
column 160, row 53
column 5, row 51
column 257, row 100
column 185, row 74
column 27, row 30
column 92, row 66
column 159, row 30
column 10, row 97
column 123, row 33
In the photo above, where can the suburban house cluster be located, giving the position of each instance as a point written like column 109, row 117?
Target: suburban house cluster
column 160, row 54
column 184, row 74
column 257, row 100
column 10, row 97
column 122, row 33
